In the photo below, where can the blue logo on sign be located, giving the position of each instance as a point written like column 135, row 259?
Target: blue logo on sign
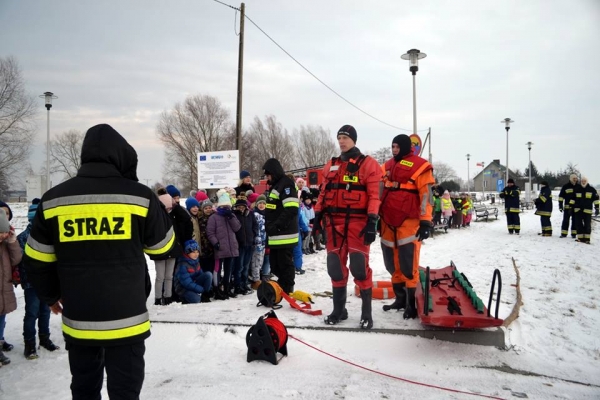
column 202, row 158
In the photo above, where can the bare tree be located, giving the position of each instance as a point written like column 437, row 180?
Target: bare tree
column 442, row 172
column 382, row 155
column 65, row 153
column 16, row 119
column 269, row 140
column 199, row 124
column 314, row 145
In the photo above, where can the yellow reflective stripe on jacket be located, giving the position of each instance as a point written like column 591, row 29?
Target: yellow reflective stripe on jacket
column 273, row 196
column 107, row 334
column 290, row 202
column 82, row 210
column 163, row 246
column 39, row 255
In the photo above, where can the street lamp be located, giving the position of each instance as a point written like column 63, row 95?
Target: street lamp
column 413, row 56
column 507, row 122
column 468, row 173
column 483, row 179
column 48, row 96
column 529, row 191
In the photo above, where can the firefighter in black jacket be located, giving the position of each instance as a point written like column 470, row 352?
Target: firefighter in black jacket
column 85, row 258
column 567, row 193
column 543, row 205
column 511, row 194
column 281, row 216
column 586, row 199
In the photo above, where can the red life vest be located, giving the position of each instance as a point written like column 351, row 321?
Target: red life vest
column 400, row 193
column 344, row 194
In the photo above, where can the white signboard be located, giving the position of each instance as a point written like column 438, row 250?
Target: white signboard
column 218, row 169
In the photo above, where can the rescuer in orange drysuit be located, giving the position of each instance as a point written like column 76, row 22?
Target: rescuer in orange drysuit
column 348, row 206
column 406, row 207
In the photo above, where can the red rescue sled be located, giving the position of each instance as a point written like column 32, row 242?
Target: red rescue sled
column 452, row 302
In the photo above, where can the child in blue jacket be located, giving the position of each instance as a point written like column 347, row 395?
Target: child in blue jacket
column 191, row 283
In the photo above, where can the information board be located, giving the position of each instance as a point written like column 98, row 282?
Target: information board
column 218, row 169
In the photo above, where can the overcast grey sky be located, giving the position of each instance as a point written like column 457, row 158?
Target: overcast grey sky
column 124, row 62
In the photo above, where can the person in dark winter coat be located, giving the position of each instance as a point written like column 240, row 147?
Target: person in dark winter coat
column 281, row 217
column 511, row 194
column 165, row 265
column 586, row 199
column 207, row 253
column 247, row 238
column 543, row 205
column 221, row 229
column 567, row 193
column 10, row 255
column 85, row 258
column 35, row 309
column 192, row 284
column 245, row 184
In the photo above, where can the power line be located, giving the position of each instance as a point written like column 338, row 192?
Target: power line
column 317, row 78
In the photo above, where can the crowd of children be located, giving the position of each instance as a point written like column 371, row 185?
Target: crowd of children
column 221, row 250
column 451, row 210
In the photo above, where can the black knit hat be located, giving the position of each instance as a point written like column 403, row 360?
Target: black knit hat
column 349, row 131
column 510, row 180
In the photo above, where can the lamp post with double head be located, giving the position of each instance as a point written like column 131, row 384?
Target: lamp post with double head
column 48, row 96
column 413, row 56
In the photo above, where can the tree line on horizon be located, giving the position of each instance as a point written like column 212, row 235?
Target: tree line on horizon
column 199, row 123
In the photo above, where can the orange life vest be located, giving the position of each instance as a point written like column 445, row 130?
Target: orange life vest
column 345, row 194
column 400, row 193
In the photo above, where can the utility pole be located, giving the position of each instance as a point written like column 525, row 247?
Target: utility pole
column 430, row 157
column 238, row 119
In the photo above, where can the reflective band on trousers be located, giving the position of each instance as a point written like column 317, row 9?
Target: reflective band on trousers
column 107, row 330
column 399, row 242
column 283, row 239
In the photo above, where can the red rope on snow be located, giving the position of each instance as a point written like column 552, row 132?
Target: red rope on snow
column 392, row 376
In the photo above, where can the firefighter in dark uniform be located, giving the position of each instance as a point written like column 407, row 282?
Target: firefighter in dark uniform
column 349, row 206
column 586, row 199
column 511, row 194
column 567, row 193
column 281, row 223
column 543, row 205
column 85, row 258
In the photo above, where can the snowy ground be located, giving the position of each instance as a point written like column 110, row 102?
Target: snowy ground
column 553, row 347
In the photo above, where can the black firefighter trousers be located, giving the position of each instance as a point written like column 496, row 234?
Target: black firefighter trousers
column 124, row 371
column 282, row 266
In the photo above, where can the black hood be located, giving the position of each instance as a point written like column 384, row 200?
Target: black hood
column 274, row 168
column 405, row 144
column 102, row 144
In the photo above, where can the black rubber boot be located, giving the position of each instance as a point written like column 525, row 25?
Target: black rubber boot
column 46, row 343
column 339, row 307
column 410, row 312
column 400, row 301
column 167, row 301
column 29, row 351
column 205, row 297
column 158, row 302
column 366, row 318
